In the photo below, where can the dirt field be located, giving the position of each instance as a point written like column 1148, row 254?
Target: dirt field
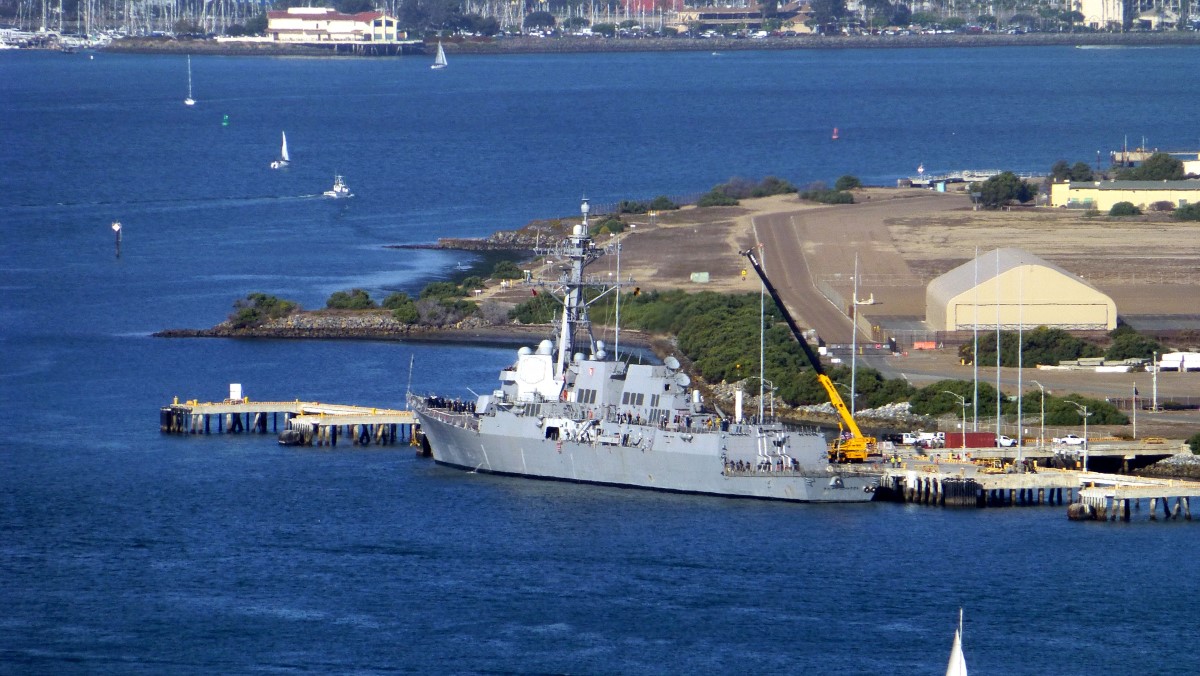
column 906, row 237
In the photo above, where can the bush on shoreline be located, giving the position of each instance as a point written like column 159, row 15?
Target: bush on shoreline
column 257, row 308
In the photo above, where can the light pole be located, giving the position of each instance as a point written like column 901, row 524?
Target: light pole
column 1084, row 411
column 962, row 400
column 1042, row 432
column 771, row 387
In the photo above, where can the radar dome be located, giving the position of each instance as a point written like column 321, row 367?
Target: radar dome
column 545, row 347
column 525, row 351
column 671, row 363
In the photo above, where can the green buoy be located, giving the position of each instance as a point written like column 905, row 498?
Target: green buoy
column 225, row 121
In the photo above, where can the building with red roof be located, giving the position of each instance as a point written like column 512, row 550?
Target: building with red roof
column 322, row 24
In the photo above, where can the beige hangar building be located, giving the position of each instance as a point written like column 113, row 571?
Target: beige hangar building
column 1013, row 288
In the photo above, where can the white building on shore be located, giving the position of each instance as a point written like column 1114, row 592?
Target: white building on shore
column 323, row 24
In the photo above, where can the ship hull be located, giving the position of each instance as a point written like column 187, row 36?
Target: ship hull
column 678, row 463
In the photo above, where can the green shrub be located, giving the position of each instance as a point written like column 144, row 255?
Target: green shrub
column 717, row 198
column 403, row 307
column 607, row 226
column 662, row 203
column 1157, row 167
column 1042, row 345
column 1189, row 212
column 1193, row 443
column 257, row 308
column 395, row 300
column 828, row 196
column 354, row 299
column 448, row 290
column 406, row 314
column 847, row 182
column 1124, row 209
column 772, row 185
column 507, row 270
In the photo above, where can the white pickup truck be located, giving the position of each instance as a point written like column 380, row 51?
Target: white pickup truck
column 1069, row 440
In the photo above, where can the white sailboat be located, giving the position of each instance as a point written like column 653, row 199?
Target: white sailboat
column 283, row 155
column 189, row 101
column 439, row 61
column 958, row 663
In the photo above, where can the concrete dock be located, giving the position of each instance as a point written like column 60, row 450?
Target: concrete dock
column 299, row 423
column 1090, row 495
column 971, row 485
column 1114, row 497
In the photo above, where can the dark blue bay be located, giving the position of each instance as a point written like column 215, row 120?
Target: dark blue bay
column 125, row 551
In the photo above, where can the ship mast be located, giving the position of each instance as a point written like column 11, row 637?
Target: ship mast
column 580, row 250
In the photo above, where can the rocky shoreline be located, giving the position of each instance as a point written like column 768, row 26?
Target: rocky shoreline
column 573, row 45
column 380, row 325
column 1176, row 467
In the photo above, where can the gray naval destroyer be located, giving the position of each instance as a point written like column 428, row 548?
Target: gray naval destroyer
column 567, row 411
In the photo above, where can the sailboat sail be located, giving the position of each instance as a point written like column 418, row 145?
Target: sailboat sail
column 440, row 60
column 958, row 663
column 284, row 159
column 189, row 101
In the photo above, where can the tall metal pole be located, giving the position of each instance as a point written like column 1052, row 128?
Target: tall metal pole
column 1042, row 430
column 975, row 353
column 617, row 329
column 1020, row 363
column 1134, row 407
column 762, row 345
column 963, row 401
column 854, row 334
column 1084, row 411
column 996, row 291
column 1154, row 402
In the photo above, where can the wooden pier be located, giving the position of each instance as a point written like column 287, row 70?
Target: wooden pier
column 299, row 423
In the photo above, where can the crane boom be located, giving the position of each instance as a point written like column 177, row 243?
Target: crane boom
column 857, row 446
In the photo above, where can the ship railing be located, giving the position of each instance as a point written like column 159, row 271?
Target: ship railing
column 800, row 471
column 464, row 420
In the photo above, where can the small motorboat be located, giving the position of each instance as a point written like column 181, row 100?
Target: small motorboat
column 339, row 189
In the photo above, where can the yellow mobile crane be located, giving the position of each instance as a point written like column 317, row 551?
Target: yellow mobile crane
column 855, row 448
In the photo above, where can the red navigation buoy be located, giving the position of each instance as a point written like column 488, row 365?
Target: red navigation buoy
column 835, row 133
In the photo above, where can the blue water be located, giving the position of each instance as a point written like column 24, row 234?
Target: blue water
column 125, row 551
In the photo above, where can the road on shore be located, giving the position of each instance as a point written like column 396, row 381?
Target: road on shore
column 803, row 246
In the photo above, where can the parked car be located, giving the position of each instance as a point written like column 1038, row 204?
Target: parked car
column 1004, row 441
column 1069, row 440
